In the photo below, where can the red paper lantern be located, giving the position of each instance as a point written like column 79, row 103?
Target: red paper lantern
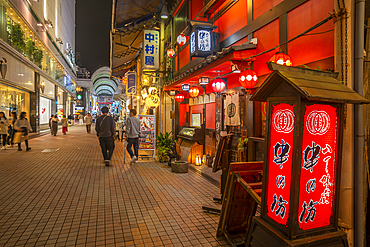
column 281, row 58
column 181, row 40
column 218, row 85
column 180, row 97
column 194, row 92
column 171, row 52
column 248, row 78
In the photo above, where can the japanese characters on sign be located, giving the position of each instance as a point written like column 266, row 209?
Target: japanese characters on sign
column 151, row 49
column 131, row 83
column 318, row 167
column 279, row 165
column 204, row 40
column 147, row 132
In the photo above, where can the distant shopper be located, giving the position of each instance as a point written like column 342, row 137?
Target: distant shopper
column 105, row 131
column 88, row 121
column 54, row 125
column 81, row 119
column 50, row 125
column 13, row 118
column 133, row 132
column 4, row 124
column 22, row 125
column 64, row 125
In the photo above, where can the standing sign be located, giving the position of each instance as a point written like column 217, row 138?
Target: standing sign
column 279, row 164
column 131, row 83
column 318, row 166
column 151, row 49
column 147, row 132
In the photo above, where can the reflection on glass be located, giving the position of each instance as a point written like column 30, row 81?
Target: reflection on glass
column 12, row 99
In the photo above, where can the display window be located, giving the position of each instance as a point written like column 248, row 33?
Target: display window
column 44, row 110
column 12, row 99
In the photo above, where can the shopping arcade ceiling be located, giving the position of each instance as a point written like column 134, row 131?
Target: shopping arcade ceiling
column 103, row 85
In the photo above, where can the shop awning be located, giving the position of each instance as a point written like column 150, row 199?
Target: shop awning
column 212, row 66
column 311, row 84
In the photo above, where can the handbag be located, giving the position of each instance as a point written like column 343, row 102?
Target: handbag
column 17, row 137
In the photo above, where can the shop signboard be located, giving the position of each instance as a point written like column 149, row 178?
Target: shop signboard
column 150, row 49
column 147, row 132
column 279, row 164
column 131, row 83
column 318, row 166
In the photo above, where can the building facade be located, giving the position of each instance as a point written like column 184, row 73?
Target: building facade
column 37, row 41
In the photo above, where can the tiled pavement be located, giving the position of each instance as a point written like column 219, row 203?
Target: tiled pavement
column 67, row 197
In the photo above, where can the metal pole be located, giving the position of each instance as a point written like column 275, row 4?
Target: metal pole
column 359, row 219
column 161, row 78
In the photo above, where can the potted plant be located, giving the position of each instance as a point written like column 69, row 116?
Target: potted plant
column 163, row 144
column 180, row 166
column 243, row 149
column 37, row 56
column 17, row 36
column 30, row 49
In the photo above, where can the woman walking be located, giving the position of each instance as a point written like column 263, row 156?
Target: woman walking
column 4, row 124
column 22, row 125
column 64, row 125
column 11, row 128
column 54, row 125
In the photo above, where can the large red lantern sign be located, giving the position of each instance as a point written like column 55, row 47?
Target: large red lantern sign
column 281, row 58
column 248, row 78
column 180, row 97
column 194, row 92
column 218, row 85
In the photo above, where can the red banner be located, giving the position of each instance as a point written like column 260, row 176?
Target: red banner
column 318, row 166
column 279, row 166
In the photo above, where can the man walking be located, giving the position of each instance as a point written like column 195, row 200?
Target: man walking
column 133, row 132
column 105, row 131
column 88, row 121
column 81, row 119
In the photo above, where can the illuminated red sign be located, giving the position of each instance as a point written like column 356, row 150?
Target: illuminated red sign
column 318, row 166
column 279, row 165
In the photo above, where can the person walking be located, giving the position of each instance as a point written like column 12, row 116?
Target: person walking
column 54, row 125
column 50, row 124
column 81, row 119
column 133, row 132
column 13, row 116
column 22, row 125
column 4, row 124
column 104, row 128
column 88, row 121
column 64, row 125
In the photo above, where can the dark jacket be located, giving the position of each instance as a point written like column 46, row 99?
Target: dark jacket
column 104, row 126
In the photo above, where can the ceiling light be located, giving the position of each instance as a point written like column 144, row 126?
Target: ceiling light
column 164, row 12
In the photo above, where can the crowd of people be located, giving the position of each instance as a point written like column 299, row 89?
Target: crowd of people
column 13, row 129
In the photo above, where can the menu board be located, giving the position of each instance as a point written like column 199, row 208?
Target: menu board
column 147, row 132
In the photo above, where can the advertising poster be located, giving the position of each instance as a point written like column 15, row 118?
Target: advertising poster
column 45, row 107
column 147, row 132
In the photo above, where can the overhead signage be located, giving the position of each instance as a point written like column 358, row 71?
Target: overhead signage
column 185, row 87
column 201, row 39
column 318, row 167
column 131, row 83
column 150, row 49
column 280, row 162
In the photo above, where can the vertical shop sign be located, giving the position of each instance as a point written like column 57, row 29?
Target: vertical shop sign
column 131, row 83
column 218, row 115
column 318, row 167
column 279, row 166
column 151, row 49
column 147, row 132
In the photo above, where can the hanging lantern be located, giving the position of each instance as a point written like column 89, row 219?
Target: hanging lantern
column 248, row 78
column 180, row 97
column 194, row 92
column 218, row 85
column 198, row 160
column 171, row 52
column 281, row 58
column 181, row 39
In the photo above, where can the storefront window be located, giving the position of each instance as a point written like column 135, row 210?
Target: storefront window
column 20, row 37
column 12, row 99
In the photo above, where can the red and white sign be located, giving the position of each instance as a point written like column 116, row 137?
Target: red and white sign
column 279, row 167
column 318, row 166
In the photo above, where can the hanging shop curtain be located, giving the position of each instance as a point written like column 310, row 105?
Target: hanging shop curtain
column 232, row 117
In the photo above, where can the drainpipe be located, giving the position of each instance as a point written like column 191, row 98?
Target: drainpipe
column 359, row 219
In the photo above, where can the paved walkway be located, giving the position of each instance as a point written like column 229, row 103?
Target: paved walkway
column 61, row 194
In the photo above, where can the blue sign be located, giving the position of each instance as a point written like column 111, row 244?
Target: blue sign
column 151, row 49
column 131, row 83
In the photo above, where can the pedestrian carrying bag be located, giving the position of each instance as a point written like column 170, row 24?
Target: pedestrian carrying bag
column 17, row 137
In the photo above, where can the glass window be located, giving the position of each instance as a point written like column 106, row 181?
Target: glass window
column 12, row 99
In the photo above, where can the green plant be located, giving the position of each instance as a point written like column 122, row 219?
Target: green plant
column 162, row 154
column 164, row 140
column 17, row 36
column 242, row 143
column 30, row 48
column 37, row 56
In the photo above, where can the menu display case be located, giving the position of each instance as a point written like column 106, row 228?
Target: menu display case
column 193, row 133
